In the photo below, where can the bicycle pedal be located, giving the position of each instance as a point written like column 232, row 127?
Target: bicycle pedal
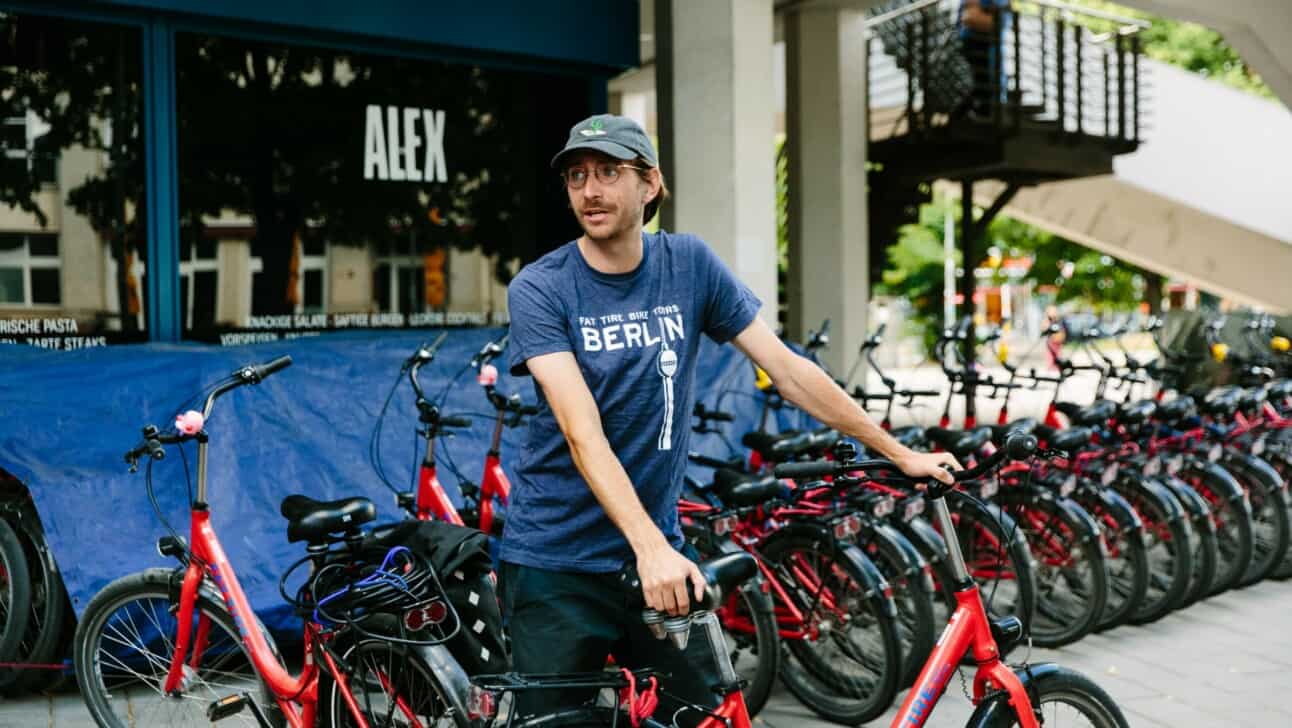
column 226, row 707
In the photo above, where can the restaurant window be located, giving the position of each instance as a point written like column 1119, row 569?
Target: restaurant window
column 72, row 220
column 352, row 190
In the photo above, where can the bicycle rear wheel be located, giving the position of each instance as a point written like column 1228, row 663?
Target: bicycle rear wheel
column 124, row 646
column 392, row 687
column 1170, row 541
column 15, row 592
column 842, row 660
column 1231, row 516
column 913, row 594
column 1268, row 495
column 45, row 622
column 1072, row 574
column 1206, row 554
column 1122, row 534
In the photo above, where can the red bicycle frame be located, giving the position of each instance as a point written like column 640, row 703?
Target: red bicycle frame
column 969, row 629
column 191, row 639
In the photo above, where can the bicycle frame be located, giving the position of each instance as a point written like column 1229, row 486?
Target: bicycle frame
column 208, row 558
column 969, row 629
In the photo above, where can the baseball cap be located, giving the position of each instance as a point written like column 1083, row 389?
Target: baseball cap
column 618, row 136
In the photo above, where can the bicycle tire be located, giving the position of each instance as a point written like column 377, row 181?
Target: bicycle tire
column 1268, row 496
column 1232, row 518
column 1206, row 555
column 1122, row 534
column 49, row 605
column 1072, row 573
column 904, row 569
column 15, row 592
column 159, row 587
column 393, row 665
column 1170, row 544
column 1055, row 687
column 819, row 683
column 1281, row 461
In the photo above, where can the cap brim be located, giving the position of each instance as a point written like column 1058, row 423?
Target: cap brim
column 614, row 149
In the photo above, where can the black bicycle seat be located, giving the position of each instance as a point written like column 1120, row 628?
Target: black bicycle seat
column 742, row 489
column 1136, row 413
column 910, row 435
column 1177, row 409
column 1094, row 414
column 1071, row 440
column 313, row 521
column 1025, row 425
column 959, row 442
column 722, row 575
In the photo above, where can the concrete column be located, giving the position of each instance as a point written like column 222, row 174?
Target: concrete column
column 715, row 112
column 825, row 119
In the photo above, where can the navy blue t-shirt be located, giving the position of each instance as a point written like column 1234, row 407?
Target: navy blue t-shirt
column 636, row 338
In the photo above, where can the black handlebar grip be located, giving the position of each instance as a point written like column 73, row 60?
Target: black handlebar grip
column 718, row 416
column 803, row 471
column 919, row 393
column 277, row 365
column 528, row 409
column 155, row 450
column 455, row 422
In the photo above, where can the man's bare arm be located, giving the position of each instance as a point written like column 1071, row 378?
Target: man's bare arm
column 662, row 569
column 804, row 383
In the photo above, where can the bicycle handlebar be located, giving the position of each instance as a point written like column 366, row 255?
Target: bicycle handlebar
column 1017, row 447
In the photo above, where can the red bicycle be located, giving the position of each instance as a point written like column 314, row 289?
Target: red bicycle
column 1026, row 696
column 182, row 646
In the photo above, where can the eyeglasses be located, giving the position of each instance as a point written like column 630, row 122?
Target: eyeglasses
column 607, row 174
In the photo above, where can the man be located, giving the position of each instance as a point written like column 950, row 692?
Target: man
column 609, row 325
column 977, row 23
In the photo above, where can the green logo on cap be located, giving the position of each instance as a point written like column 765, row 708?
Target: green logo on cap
column 594, row 129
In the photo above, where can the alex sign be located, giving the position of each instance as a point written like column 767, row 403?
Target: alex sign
column 404, row 144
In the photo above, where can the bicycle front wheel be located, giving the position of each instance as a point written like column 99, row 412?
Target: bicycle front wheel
column 842, row 658
column 392, row 688
column 1067, row 699
column 124, row 646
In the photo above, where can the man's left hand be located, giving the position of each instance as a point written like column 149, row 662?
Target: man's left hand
column 921, row 465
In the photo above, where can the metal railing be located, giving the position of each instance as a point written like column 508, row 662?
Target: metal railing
column 1046, row 64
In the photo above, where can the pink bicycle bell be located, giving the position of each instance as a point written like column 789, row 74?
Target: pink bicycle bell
column 488, row 375
column 189, row 423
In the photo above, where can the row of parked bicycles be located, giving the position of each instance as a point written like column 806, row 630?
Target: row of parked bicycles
column 831, row 573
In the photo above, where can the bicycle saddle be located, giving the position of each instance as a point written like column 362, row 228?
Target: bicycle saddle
column 779, row 446
column 1025, row 425
column 959, row 442
column 1172, row 411
column 1279, row 390
column 910, row 435
column 1071, row 440
column 1222, row 401
column 742, row 489
column 313, row 521
column 1094, row 414
column 1136, row 413
column 721, row 575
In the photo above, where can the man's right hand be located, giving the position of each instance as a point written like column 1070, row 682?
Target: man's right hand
column 664, row 573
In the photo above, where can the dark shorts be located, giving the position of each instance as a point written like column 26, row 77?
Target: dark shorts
column 571, row 622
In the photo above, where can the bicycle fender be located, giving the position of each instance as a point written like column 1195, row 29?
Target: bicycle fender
column 876, row 587
column 1175, row 511
column 1116, row 503
column 1224, row 482
column 1069, row 507
column 1257, row 469
column 994, row 708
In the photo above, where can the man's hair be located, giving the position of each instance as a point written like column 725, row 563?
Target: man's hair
column 653, row 206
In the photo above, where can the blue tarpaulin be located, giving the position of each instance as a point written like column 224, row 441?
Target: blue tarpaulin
column 67, row 417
